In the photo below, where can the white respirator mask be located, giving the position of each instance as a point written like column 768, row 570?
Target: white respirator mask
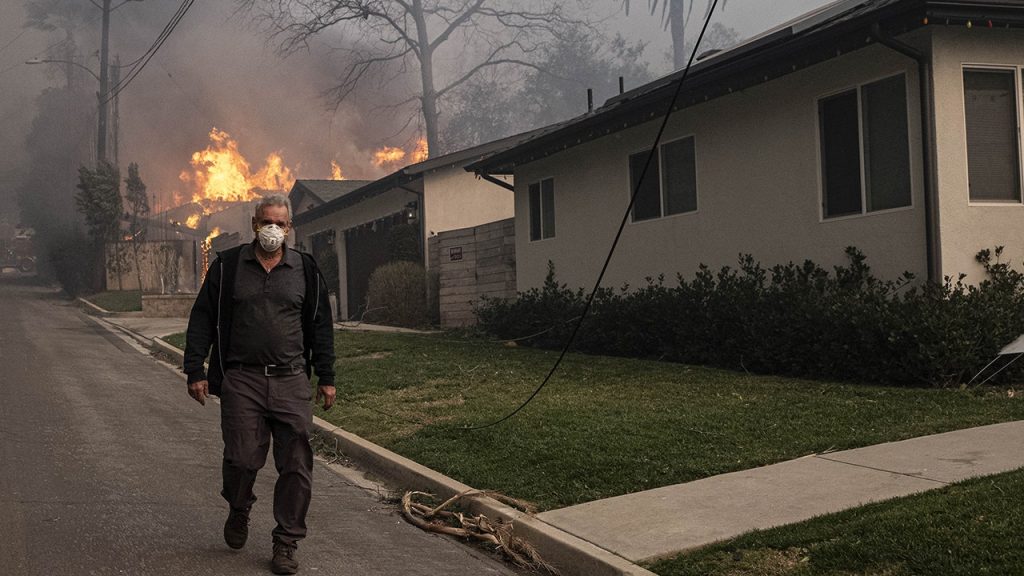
column 271, row 237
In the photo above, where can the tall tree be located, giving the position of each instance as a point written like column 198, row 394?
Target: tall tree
column 675, row 15
column 554, row 90
column 138, row 209
column 56, row 139
column 395, row 36
column 65, row 16
column 99, row 200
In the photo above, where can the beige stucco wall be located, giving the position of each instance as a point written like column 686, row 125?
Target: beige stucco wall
column 457, row 199
column 167, row 266
column 453, row 198
column 361, row 213
column 758, row 182
column 969, row 227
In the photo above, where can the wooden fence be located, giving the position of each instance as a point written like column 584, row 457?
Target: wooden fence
column 470, row 263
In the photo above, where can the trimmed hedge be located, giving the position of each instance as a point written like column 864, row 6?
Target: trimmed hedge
column 397, row 295
column 797, row 320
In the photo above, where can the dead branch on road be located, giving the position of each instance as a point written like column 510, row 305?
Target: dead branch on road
column 479, row 528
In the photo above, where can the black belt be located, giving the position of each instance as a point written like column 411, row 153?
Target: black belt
column 270, row 369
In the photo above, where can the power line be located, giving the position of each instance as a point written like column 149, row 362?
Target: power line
column 618, row 235
column 151, row 51
column 13, row 40
column 600, row 277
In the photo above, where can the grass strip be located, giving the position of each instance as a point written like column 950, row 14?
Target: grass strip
column 176, row 340
column 965, row 529
column 608, row 426
column 118, row 300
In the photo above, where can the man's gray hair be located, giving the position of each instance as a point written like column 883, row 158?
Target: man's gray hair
column 275, row 199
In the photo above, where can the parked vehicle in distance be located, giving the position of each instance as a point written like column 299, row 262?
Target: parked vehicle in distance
column 18, row 251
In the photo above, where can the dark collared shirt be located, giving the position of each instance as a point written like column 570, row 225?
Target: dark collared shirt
column 266, row 325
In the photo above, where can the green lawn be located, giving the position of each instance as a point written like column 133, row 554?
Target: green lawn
column 608, row 426
column 176, row 340
column 966, row 529
column 118, row 300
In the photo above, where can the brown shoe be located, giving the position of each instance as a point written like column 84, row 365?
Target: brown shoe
column 284, row 561
column 236, row 528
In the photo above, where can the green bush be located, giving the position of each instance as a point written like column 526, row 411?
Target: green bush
column 793, row 319
column 397, row 295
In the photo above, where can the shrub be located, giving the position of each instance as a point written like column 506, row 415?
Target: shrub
column 403, row 242
column 73, row 261
column 397, row 295
column 792, row 319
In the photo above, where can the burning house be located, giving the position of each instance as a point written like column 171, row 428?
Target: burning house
column 215, row 214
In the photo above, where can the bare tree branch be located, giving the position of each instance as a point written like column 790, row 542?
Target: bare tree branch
column 387, row 34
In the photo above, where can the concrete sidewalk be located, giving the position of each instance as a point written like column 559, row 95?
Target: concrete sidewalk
column 662, row 522
column 612, row 536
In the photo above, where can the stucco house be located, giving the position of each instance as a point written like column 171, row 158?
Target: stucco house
column 350, row 234
column 889, row 125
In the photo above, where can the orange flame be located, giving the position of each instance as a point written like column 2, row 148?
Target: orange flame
column 221, row 173
column 208, row 246
column 422, row 151
column 193, row 221
column 388, row 155
column 336, row 171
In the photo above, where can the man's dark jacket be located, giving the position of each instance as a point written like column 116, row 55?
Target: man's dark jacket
column 209, row 324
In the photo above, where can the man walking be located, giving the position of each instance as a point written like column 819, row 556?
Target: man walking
column 264, row 318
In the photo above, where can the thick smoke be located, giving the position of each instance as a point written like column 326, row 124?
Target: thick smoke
column 213, row 71
column 217, row 70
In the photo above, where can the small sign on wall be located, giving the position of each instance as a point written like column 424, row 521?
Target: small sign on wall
column 455, row 253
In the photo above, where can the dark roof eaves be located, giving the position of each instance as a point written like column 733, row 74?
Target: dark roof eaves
column 356, row 196
column 765, row 49
column 474, row 153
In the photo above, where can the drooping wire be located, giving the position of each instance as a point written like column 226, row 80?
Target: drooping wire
column 143, row 60
column 140, row 63
column 618, row 234
column 604, row 268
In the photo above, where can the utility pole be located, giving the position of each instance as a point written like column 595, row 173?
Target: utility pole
column 115, row 74
column 101, row 96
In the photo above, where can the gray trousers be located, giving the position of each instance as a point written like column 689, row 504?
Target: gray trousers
column 255, row 408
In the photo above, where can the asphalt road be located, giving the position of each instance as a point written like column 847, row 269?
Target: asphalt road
column 108, row 467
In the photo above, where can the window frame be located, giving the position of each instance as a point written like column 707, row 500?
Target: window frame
column 1018, row 71
column 859, row 90
column 661, row 181
column 529, row 222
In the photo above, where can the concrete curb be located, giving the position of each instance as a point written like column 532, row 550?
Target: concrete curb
column 166, row 348
column 572, row 556
column 363, row 327
column 103, row 312
column 93, row 308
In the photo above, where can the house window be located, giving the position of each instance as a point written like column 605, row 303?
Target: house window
column 993, row 148
column 865, row 150
column 542, row 209
column 670, row 186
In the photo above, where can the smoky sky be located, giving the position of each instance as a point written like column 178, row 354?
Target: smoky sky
column 218, row 70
